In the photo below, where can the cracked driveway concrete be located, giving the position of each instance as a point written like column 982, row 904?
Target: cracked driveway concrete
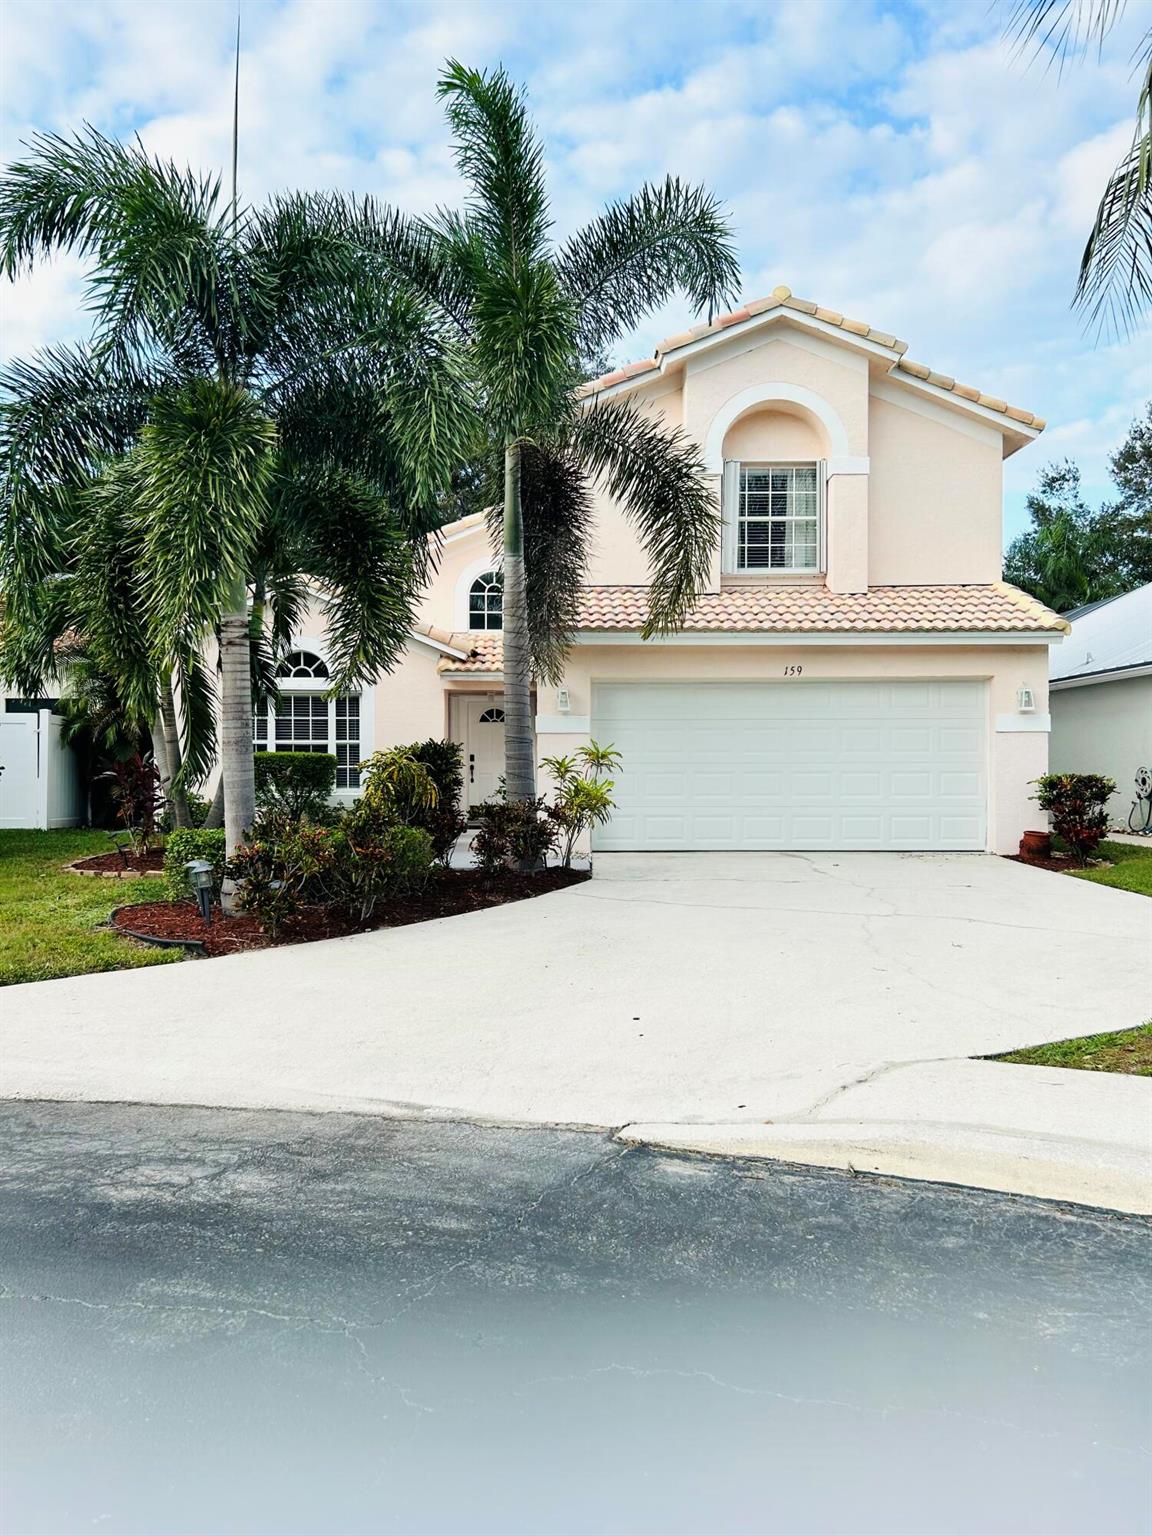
column 255, row 1323
column 671, row 988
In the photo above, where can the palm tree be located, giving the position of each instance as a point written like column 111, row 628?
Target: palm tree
column 1115, row 282
column 288, row 421
column 526, row 311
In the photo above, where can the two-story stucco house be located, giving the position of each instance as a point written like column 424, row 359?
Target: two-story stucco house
column 855, row 676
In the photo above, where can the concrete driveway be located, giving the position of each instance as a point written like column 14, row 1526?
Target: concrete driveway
column 731, row 988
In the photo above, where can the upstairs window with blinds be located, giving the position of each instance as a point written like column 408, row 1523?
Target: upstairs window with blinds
column 776, row 526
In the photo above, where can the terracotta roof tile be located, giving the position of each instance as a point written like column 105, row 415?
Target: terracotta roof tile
column 993, row 609
column 783, row 298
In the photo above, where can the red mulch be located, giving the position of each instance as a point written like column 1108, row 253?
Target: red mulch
column 448, row 894
column 152, row 863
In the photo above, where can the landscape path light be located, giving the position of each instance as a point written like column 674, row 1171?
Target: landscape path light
column 201, row 880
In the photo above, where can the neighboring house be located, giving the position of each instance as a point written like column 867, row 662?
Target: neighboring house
column 1100, row 686
column 855, row 676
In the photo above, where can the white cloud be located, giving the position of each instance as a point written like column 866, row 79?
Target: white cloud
column 916, row 173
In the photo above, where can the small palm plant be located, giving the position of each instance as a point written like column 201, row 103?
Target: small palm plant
column 583, row 796
column 526, row 313
column 271, row 419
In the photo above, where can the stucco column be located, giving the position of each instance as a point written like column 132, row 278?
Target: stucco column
column 715, row 570
column 846, row 524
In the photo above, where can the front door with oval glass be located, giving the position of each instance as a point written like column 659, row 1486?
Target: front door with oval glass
column 481, row 732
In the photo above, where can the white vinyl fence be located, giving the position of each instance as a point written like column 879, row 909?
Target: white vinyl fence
column 39, row 776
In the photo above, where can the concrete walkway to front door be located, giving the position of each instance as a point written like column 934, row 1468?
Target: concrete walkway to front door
column 672, row 988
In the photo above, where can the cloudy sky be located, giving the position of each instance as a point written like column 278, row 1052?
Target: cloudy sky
column 890, row 159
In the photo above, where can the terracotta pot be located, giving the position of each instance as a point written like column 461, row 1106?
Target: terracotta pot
column 1036, row 845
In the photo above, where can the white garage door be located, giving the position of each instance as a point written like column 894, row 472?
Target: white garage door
column 795, row 765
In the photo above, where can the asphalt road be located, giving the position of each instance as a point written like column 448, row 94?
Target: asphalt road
column 219, row 1322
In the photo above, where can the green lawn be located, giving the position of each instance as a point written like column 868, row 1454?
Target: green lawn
column 1131, row 871
column 48, row 917
column 1124, row 1050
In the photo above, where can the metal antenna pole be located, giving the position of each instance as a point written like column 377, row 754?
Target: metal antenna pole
column 236, row 121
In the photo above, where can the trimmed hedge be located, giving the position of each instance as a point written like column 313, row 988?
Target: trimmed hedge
column 296, row 782
column 191, row 843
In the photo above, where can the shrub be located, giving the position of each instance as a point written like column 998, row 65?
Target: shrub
column 513, row 834
column 443, row 822
column 583, row 799
column 1077, row 808
column 298, row 783
column 186, row 843
column 134, row 785
column 278, row 867
column 369, row 856
column 396, row 786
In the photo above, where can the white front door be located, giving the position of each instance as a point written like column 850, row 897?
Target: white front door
column 795, row 765
column 482, row 735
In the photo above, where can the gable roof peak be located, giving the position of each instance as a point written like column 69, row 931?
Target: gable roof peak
column 782, row 299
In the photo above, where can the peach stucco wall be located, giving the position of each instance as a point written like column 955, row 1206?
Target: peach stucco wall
column 935, row 499
column 929, row 508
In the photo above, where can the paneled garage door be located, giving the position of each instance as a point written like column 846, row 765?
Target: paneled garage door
column 795, row 765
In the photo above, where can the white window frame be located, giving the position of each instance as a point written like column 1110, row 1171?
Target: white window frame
column 487, row 629
column 730, row 505
column 461, row 604
column 314, row 685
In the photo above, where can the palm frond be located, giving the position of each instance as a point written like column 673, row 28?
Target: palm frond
column 152, row 234
column 1062, row 28
column 30, row 633
column 197, row 694
column 640, row 252
column 395, row 407
column 1115, row 284
column 658, row 476
column 107, row 600
column 364, row 568
column 500, row 154
column 204, row 460
column 62, row 413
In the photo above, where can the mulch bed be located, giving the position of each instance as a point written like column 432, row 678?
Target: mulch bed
column 449, row 893
column 152, row 863
column 1059, row 861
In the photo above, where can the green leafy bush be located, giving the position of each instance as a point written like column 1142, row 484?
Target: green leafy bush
column 513, row 834
column 1077, row 806
column 192, row 843
column 443, row 822
column 583, row 798
column 298, row 783
column 369, row 856
column 279, row 867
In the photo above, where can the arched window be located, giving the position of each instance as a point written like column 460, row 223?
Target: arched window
column 307, row 719
column 486, row 601
column 492, row 717
column 302, row 664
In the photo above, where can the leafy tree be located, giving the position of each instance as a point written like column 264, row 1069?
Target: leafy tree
column 288, row 422
column 527, row 312
column 1126, row 524
column 1072, row 555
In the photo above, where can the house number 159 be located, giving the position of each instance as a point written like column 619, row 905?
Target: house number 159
column 794, row 670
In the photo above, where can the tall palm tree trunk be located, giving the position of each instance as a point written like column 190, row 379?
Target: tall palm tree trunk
column 215, row 816
column 174, row 792
column 236, row 766
column 519, row 757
